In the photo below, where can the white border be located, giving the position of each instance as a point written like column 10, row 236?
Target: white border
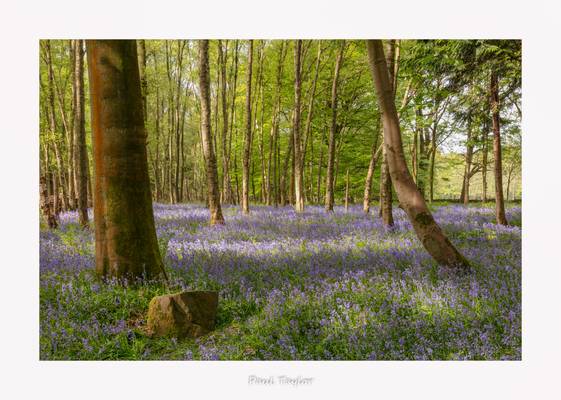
column 24, row 23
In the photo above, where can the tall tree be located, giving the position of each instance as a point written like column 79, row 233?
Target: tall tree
column 125, row 235
column 59, row 181
column 247, row 136
column 208, row 149
column 375, row 152
column 226, row 184
column 469, row 156
column 347, row 190
column 298, row 156
column 273, row 141
column 385, row 179
column 142, row 73
column 81, row 155
column 497, row 154
column 329, row 195
column 430, row 234
column 309, row 138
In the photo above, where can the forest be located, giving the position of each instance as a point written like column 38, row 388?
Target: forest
column 280, row 199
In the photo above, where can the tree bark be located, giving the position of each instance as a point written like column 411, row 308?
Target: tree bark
column 432, row 163
column 272, row 187
column 46, row 204
column 329, row 195
column 125, row 234
column 53, row 128
column 80, row 153
column 211, row 170
column 375, row 152
column 232, row 114
column 469, row 155
column 226, row 184
column 298, row 156
column 142, row 74
column 497, row 154
column 484, row 159
column 347, row 191
column 247, row 136
column 385, row 179
column 426, row 228
column 285, row 193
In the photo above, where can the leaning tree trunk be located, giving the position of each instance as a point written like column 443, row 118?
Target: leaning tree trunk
column 498, row 164
column 126, row 245
column 247, row 136
column 329, row 196
column 208, row 149
column 298, row 156
column 426, row 228
column 80, row 153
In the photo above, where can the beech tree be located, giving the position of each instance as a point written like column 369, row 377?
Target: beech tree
column 371, row 167
column 80, row 153
column 385, row 179
column 247, row 137
column 208, row 148
column 125, row 236
column 497, row 153
column 329, row 195
column 298, row 156
column 429, row 233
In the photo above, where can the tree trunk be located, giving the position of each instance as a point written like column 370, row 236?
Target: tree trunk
column 125, row 234
column 484, row 159
column 226, row 184
column 81, row 156
column 385, row 179
column 428, row 231
column 247, row 136
column 424, row 151
column 347, row 191
column 46, row 204
column 285, row 193
column 469, row 156
column 68, row 135
column 498, row 164
column 273, row 142
column 385, row 190
column 53, row 128
column 432, row 163
column 157, row 180
column 232, row 114
column 375, row 152
column 298, row 156
column 329, row 195
column 208, row 149
column 142, row 74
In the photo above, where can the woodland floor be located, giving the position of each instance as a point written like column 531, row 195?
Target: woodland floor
column 311, row 286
